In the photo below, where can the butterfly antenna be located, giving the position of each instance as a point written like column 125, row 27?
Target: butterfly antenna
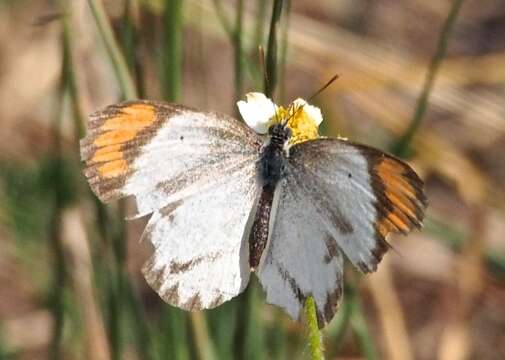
column 335, row 77
column 295, row 111
column 261, row 53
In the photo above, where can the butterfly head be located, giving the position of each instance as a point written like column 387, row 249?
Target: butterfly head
column 279, row 133
column 295, row 123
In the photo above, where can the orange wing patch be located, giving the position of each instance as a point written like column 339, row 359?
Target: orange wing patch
column 117, row 130
column 113, row 168
column 401, row 201
column 114, row 136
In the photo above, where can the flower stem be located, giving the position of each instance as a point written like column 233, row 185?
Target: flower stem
column 315, row 340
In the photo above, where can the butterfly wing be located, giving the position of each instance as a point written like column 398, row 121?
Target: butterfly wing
column 201, row 256
column 336, row 197
column 196, row 172
column 300, row 258
column 162, row 152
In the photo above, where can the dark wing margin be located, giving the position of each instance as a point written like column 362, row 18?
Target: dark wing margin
column 400, row 198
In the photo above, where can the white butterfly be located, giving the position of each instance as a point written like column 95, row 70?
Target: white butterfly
column 228, row 198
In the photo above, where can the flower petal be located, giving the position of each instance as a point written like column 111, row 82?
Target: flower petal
column 257, row 111
column 313, row 112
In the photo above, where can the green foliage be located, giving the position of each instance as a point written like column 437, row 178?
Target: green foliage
column 28, row 194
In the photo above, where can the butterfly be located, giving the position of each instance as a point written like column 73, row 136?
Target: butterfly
column 269, row 196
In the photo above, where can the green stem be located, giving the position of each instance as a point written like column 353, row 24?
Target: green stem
column 128, row 34
column 73, row 90
column 59, row 266
column 114, row 315
column 401, row 147
column 124, row 77
column 315, row 338
column 284, row 51
column 174, row 333
column 143, row 335
column 249, row 337
column 238, row 51
column 256, row 68
column 172, row 54
column 58, row 287
column 271, row 57
column 204, row 346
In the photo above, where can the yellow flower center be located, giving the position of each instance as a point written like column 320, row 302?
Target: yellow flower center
column 302, row 127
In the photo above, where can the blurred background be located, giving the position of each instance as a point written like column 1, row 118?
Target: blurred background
column 422, row 79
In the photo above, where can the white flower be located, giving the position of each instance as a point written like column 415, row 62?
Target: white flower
column 313, row 112
column 257, row 111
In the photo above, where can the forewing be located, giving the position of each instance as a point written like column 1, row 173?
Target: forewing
column 335, row 197
column 201, row 253
column 301, row 258
column 360, row 193
column 162, row 152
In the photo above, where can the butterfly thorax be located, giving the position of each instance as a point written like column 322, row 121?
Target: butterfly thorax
column 272, row 155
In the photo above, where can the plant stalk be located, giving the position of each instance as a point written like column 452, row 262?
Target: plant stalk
column 401, row 147
column 315, row 339
column 119, row 64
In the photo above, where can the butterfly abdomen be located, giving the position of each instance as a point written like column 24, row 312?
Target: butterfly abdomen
column 259, row 232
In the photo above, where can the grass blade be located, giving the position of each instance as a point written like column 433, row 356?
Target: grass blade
column 271, row 60
column 172, row 50
column 119, row 64
column 401, row 147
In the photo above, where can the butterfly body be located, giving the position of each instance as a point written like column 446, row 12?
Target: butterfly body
column 273, row 154
column 225, row 201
